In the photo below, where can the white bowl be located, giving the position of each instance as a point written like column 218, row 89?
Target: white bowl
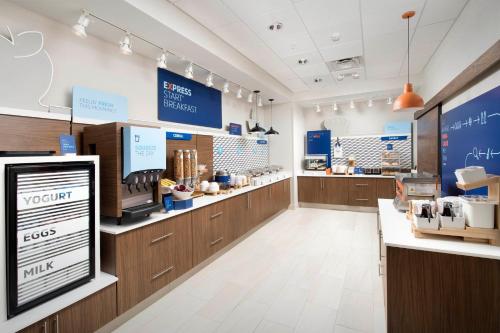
column 182, row 195
column 213, row 187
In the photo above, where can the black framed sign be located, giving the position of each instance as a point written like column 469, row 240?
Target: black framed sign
column 50, row 216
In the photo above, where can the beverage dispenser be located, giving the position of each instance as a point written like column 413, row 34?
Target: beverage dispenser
column 133, row 159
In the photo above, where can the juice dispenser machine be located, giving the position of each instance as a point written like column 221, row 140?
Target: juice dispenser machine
column 132, row 161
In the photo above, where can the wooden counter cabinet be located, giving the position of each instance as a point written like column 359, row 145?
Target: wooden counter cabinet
column 85, row 316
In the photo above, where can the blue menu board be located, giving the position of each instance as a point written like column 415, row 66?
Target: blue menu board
column 144, row 148
column 470, row 135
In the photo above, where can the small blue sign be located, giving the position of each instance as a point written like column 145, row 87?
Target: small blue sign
column 67, row 144
column 101, row 105
column 179, row 136
column 185, row 101
column 261, row 142
column 389, row 146
column 234, row 129
column 394, row 138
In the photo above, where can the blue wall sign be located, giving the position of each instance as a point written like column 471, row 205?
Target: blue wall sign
column 261, row 142
column 144, row 148
column 389, row 146
column 470, row 137
column 394, row 138
column 234, row 129
column 320, row 142
column 185, row 101
column 67, row 144
column 179, row 136
column 397, row 127
column 101, row 105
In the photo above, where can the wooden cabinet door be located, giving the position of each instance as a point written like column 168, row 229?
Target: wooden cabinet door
column 238, row 215
column 209, row 231
column 287, row 195
column 335, row 191
column 46, row 325
column 276, row 197
column 89, row 314
column 309, row 189
column 386, row 188
column 169, row 250
column 257, row 209
column 363, row 192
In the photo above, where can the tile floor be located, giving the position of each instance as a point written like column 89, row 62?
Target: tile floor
column 308, row 270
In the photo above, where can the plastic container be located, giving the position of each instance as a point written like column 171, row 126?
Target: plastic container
column 478, row 211
column 183, row 204
column 168, row 202
column 425, row 223
column 448, row 222
column 470, row 174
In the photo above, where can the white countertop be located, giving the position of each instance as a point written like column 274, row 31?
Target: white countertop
column 396, row 230
column 48, row 308
column 110, row 226
column 323, row 174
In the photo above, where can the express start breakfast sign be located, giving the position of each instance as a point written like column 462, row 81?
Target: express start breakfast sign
column 185, row 101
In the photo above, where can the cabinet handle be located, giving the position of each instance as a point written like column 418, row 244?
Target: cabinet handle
column 249, row 203
column 165, row 271
column 361, row 199
column 379, row 270
column 218, row 240
column 57, row 323
column 216, row 215
column 44, row 326
column 361, row 184
column 156, row 240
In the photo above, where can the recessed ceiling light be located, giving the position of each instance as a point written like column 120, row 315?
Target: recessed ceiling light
column 340, row 77
column 335, row 37
column 318, row 80
column 276, row 26
column 302, row 61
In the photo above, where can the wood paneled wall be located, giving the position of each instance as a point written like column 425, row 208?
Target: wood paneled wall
column 428, row 142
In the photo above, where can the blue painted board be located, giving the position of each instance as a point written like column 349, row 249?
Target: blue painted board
column 470, row 135
column 101, row 105
column 181, row 100
column 319, row 142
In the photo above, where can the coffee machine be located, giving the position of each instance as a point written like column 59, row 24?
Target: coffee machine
column 133, row 159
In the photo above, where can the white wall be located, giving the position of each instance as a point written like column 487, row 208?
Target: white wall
column 360, row 121
column 281, row 146
column 93, row 63
column 476, row 29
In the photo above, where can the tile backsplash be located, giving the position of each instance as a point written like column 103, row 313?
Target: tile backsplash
column 236, row 154
column 368, row 150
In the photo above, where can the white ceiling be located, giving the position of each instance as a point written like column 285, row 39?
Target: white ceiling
column 372, row 29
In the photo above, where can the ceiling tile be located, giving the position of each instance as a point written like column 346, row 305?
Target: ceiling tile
column 212, row 14
column 321, row 13
column 322, row 37
column 326, row 81
column 290, row 45
column 291, row 21
column 246, row 8
column 420, row 54
column 296, row 85
column 432, row 32
column 441, row 10
column 385, row 18
column 312, row 58
column 384, row 54
column 311, row 69
column 343, row 50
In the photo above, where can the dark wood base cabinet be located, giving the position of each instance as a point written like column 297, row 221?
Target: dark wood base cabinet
column 85, row 316
column 149, row 258
column 431, row 292
column 352, row 191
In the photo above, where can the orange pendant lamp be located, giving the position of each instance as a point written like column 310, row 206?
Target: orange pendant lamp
column 408, row 101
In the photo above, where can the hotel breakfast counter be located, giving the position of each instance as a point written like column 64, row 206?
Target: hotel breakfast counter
column 419, row 275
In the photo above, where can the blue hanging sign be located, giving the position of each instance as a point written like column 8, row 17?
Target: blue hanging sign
column 261, row 142
column 394, row 138
column 234, row 129
column 397, row 127
column 67, row 144
column 181, row 100
column 179, row 136
column 94, row 104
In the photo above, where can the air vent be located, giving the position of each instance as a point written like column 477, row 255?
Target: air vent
column 344, row 64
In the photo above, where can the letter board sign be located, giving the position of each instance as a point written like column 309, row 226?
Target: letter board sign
column 50, row 231
column 181, row 100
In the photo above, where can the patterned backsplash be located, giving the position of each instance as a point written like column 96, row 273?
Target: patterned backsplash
column 368, row 150
column 236, row 154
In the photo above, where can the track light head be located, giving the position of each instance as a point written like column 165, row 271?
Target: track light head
column 225, row 88
column 125, row 47
column 162, row 60
column 335, row 107
column 80, row 27
column 317, row 108
column 370, row 103
column 250, row 97
column 239, row 93
column 210, row 80
column 389, row 100
column 188, row 72
column 352, row 105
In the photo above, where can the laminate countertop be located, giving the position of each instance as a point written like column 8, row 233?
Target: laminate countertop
column 323, row 174
column 396, row 231
column 109, row 225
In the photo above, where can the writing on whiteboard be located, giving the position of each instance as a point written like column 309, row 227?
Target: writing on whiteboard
column 479, row 120
column 479, row 154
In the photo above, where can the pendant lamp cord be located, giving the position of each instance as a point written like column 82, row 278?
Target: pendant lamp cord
column 408, row 53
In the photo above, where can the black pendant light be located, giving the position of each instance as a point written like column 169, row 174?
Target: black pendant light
column 272, row 131
column 256, row 128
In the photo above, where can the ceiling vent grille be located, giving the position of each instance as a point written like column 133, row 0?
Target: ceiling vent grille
column 344, row 64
